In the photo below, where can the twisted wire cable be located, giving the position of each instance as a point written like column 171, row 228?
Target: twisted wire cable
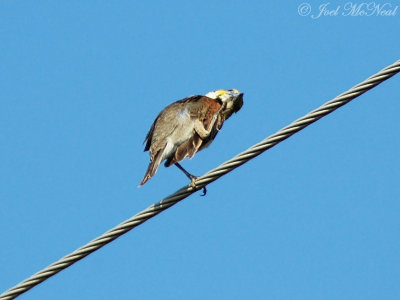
column 202, row 181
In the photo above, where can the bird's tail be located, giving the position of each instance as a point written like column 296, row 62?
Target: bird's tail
column 153, row 166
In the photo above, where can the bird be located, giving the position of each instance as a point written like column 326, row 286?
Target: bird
column 188, row 126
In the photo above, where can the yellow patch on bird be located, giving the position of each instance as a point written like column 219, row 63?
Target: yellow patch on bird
column 221, row 92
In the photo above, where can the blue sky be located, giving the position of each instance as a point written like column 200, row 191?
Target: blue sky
column 314, row 217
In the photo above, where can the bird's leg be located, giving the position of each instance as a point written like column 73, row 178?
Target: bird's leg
column 199, row 125
column 201, row 131
column 191, row 177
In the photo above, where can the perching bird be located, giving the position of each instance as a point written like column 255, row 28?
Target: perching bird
column 188, row 126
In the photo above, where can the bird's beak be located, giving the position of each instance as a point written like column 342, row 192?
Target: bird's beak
column 233, row 105
column 237, row 103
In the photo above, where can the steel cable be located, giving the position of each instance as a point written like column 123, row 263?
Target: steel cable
column 202, row 181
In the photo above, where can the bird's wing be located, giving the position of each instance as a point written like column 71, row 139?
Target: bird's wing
column 149, row 136
column 204, row 109
column 165, row 123
column 214, row 108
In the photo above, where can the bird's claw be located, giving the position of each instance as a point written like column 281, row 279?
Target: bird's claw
column 193, row 185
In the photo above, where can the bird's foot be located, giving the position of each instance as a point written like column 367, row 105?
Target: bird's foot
column 192, row 178
column 193, row 185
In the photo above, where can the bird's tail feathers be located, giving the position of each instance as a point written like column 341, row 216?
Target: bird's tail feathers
column 153, row 166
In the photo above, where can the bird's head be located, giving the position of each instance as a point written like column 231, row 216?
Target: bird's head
column 232, row 100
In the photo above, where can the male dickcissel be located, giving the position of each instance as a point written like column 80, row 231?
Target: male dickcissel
column 188, row 126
